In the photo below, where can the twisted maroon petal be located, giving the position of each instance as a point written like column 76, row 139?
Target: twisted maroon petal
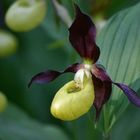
column 99, row 72
column 82, row 36
column 50, row 75
column 102, row 87
column 44, row 77
column 102, row 94
column 130, row 93
column 73, row 68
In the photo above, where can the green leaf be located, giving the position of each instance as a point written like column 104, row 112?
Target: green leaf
column 128, row 125
column 16, row 125
column 120, row 47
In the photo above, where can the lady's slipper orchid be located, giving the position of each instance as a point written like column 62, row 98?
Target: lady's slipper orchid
column 25, row 15
column 8, row 44
column 91, row 84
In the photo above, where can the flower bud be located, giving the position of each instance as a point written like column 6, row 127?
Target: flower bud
column 25, row 15
column 3, row 102
column 8, row 44
column 70, row 102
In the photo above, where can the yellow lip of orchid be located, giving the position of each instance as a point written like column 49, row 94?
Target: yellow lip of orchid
column 72, row 101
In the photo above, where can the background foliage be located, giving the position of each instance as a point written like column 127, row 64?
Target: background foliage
column 28, row 117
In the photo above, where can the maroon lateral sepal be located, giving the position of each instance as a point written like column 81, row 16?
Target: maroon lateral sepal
column 130, row 93
column 50, row 75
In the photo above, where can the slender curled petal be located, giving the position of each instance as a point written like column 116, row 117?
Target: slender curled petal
column 44, row 77
column 130, row 93
column 50, row 75
column 100, row 73
column 82, row 36
column 102, row 87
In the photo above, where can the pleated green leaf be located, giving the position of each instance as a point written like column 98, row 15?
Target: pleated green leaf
column 119, row 41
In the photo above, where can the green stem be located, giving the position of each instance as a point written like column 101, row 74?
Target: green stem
column 106, row 137
column 74, row 130
column 106, row 133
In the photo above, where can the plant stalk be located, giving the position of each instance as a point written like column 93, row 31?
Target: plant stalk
column 106, row 133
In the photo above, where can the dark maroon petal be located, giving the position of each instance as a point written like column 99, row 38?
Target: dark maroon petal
column 82, row 36
column 102, row 87
column 44, row 77
column 50, row 75
column 100, row 72
column 102, row 94
column 130, row 93
column 73, row 68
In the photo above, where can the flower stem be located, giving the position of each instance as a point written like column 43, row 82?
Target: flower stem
column 106, row 137
column 106, row 133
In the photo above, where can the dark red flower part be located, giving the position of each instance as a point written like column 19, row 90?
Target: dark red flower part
column 130, row 93
column 44, row 77
column 82, row 36
column 99, row 72
column 50, row 75
column 73, row 68
column 102, row 95
column 102, row 86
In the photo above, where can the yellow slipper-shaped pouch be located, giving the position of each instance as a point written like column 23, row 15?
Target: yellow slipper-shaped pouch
column 71, row 101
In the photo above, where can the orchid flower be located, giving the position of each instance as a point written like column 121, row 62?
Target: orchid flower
column 91, row 85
